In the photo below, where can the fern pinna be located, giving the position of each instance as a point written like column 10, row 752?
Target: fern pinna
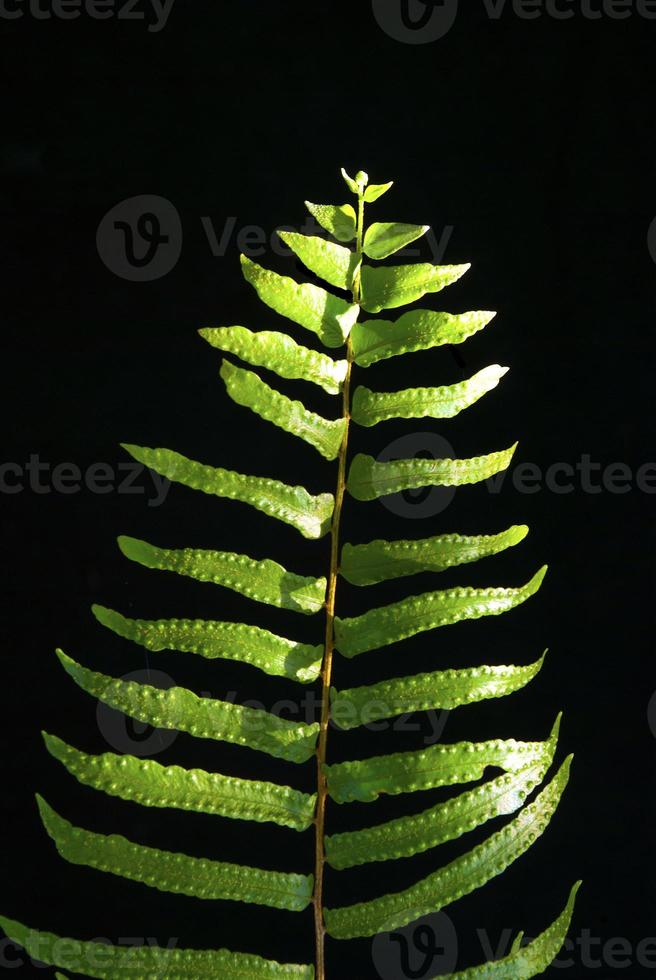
column 334, row 319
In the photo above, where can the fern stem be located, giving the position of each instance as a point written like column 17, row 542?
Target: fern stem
column 327, row 667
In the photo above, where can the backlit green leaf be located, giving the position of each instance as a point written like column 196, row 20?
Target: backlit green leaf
column 460, row 877
column 247, row 389
column 183, row 710
column 386, row 287
column 371, row 407
column 388, row 624
column 292, row 505
column 528, row 961
column 334, row 263
column 378, row 561
column 215, row 639
column 149, row 783
column 437, row 765
column 260, row 579
column 374, row 191
column 384, row 238
column 279, row 353
column 105, row 961
column 376, row 340
column 368, row 479
column 338, row 219
column 441, row 689
column 312, row 307
column 173, row 872
column 443, row 822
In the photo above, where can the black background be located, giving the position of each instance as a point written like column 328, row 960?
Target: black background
column 532, row 140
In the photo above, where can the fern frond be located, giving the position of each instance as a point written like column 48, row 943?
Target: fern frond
column 460, row 877
column 334, row 263
column 151, row 784
column 441, row 689
column 371, row 407
column 218, row 640
column 379, row 561
column 292, row 505
column 260, row 579
column 369, row 479
column 105, row 962
column 279, row 353
column 387, row 287
column 406, row 836
column 365, row 780
column 376, row 340
column 183, row 710
column 247, row 389
column 329, row 317
column 179, row 873
column 516, row 789
column 400, row 620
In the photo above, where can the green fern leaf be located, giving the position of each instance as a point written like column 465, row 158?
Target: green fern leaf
column 458, row 878
column 328, row 316
column 196, row 877
column 334, row 263
column 292, row 505
column 378, row 561
column 369, row 479
column 390, row 286
column 260, row 579
column 376, row 340
column 105, row 962
column 442, row 689
column 247, row 389
column 438, row 765
column 385, row 238
column 228, row 641
column 338, row 219
column 447, row 821
column 279, row 353
column 523, row 765
column 400, row 620
column 202, row 717
column 151, row 784
column 530, row 960
column 371, row 407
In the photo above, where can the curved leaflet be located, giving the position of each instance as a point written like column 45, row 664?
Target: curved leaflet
column 202, row 717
